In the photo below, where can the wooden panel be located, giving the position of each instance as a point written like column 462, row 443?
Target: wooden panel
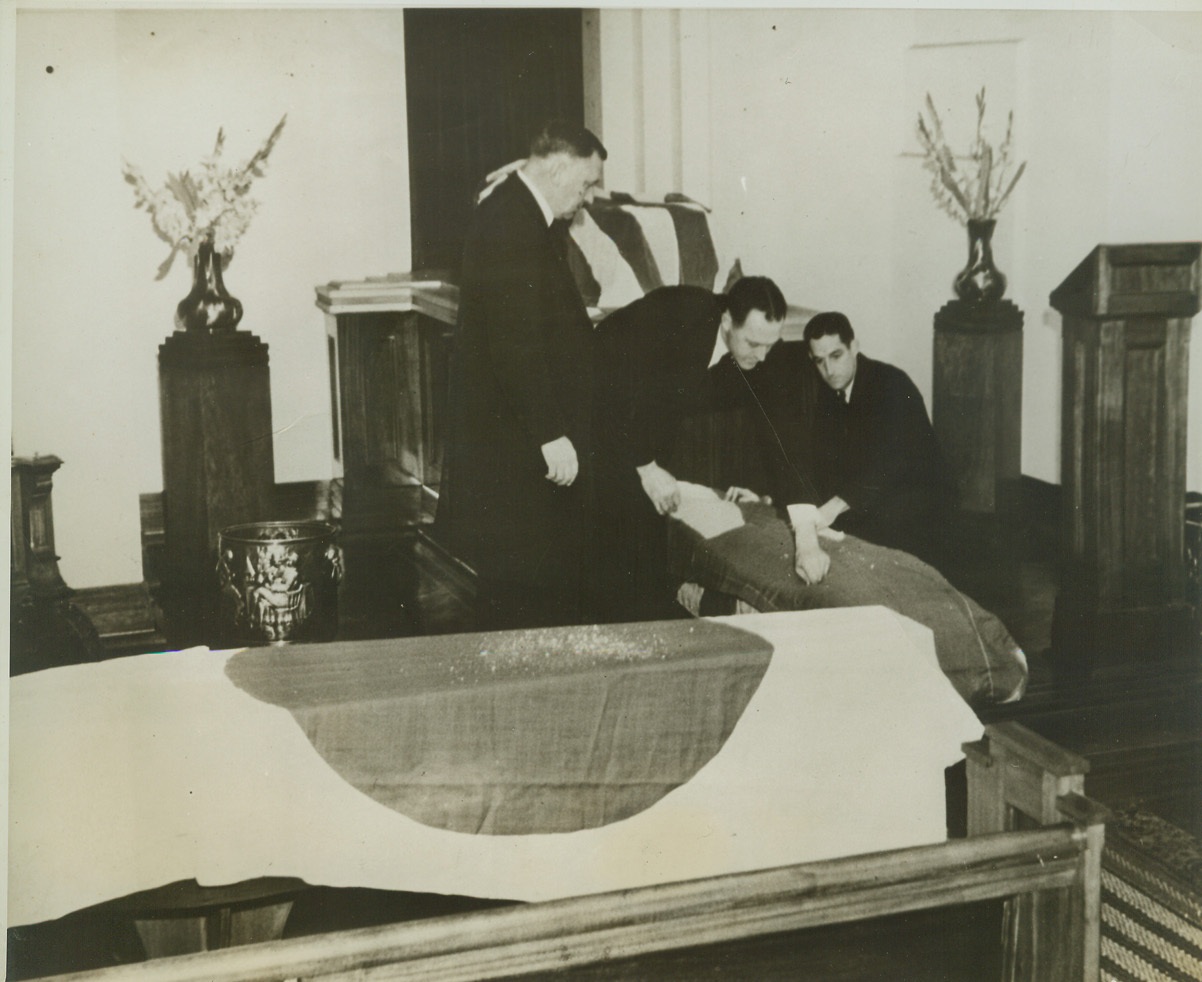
column 434, row 347
column 1123, row 452
column 218, row 463
column 976, row 400
column 1126, row 358
column 335, row 409
column 379, row 388
column 1142, row 561
column 392, row 388
column 478, row 82
column 392, row 370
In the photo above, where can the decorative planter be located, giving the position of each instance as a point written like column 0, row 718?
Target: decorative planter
column 980, row 281
column 209, row 307
column 278, row 582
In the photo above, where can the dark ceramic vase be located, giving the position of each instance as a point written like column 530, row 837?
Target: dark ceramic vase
column 980, row 281
column 208, row 308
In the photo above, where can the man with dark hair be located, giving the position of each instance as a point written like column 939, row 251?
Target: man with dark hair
column 558, row 136
column 651, row 372
column 513, row 504
column 877, row 461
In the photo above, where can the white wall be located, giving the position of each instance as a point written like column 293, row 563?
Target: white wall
column 811, row 162
column 153, row 87
column 795, row 125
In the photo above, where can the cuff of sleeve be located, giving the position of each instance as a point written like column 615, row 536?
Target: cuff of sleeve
column 804, row 515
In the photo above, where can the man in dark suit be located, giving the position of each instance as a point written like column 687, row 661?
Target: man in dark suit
column 779, row 396
column 514, row 500
column 651, row 361
column 877, row 461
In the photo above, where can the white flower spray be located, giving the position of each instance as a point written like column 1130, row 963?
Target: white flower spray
column 213, row 204
column 982, row 184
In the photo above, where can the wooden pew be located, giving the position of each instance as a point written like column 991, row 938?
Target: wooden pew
column 1050, row 871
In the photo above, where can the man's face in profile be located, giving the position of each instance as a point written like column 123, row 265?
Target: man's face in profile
column 750, row 342
column 574, row 180
column 835, row 361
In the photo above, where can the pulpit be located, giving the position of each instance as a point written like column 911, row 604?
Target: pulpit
column 1127, row 312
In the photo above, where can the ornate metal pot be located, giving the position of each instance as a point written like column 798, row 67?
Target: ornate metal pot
column 278, row 582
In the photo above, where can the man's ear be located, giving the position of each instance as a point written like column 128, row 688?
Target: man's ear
column 556, row 165
column 854, row 347
column 726, row 325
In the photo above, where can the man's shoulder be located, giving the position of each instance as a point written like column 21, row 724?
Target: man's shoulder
column 788, row 364
column 784, row 377
column 792, row 354
column 678, row 301
column 508, row 204
column 882, row 373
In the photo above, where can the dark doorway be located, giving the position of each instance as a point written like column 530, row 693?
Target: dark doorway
column 479, row 82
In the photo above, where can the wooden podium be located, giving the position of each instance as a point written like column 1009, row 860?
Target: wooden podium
column 1127, row 311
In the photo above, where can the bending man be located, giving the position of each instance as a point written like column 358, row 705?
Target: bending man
column 651, row 363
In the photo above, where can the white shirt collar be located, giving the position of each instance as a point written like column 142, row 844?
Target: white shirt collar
column 719, row 348
column 845, row 394
column 548, row 214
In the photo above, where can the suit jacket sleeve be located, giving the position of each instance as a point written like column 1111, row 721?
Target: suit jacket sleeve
column 892, row 444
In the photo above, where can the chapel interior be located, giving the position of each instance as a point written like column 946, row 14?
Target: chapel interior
column 795, row 129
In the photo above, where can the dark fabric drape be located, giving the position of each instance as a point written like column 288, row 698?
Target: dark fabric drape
column 479, row 82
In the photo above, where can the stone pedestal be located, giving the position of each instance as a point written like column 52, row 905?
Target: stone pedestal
column 218, row 465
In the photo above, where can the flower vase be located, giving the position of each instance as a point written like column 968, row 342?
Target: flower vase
column 980, row 281
column 208, row 308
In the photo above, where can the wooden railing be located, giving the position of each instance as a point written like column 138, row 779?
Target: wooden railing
column 1051, row 872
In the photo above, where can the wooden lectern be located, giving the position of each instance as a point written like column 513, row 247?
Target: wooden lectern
column 1127, row 311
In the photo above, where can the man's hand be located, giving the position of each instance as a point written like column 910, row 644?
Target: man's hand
column 812, row 565
column 811, row 562
column 562, row 465
column 741, row 496
column 661, row 487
